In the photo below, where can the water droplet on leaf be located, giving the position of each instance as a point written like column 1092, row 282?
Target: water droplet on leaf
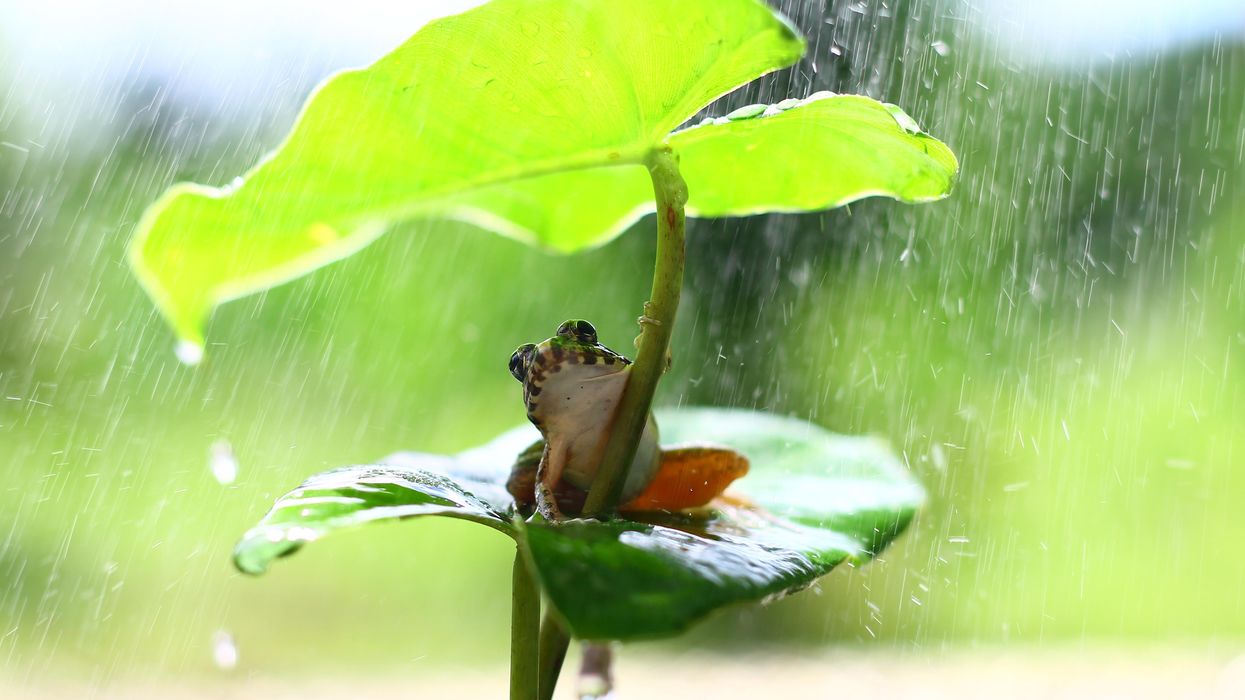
column 747, row 112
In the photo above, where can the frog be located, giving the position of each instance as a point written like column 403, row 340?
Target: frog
column 572, row 385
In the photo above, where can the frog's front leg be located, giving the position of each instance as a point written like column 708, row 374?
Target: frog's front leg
column 645, row 319
column 548, row 473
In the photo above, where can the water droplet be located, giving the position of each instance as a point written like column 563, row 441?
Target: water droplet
column 904, row 121
column 940, row 47
column 190, row 353
column 223, row 463
column 224, row 651
column 747, row 112
column 584, row 52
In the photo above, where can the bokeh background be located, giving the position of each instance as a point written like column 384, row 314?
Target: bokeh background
column 1058, row 351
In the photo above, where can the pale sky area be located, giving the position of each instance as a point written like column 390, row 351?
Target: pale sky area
column 221, row 46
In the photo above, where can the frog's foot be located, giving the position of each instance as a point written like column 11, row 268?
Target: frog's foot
column 645, row 319
column 689, row 477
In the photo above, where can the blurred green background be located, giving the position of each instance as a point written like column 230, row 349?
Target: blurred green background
column 1058, row 351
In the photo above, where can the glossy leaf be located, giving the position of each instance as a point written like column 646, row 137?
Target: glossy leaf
column 819, row 153
column 512, row 89
column 843, row 498
column 800, row 155
column 811, row 501
column 404, row 486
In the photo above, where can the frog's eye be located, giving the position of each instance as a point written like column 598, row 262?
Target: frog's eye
column 520, row 360
column 586, row 332
column 578, row 330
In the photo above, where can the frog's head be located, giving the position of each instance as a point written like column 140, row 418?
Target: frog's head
column 566, row 366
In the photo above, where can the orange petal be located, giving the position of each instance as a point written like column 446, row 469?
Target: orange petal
column 690, row 477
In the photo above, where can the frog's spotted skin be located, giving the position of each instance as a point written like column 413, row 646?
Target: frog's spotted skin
column 575, row 350
column 571, row 386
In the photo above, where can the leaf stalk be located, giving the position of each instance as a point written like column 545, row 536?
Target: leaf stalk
column 670, row 193
column 524, row 631
column 657, row 324
column 553, row 642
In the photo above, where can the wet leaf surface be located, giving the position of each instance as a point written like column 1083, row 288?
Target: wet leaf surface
column 420, row 485
column 812, row 500
column 506, row 91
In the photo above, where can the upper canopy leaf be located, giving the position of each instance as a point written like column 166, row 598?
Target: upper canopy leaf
column 512, row 89
column 798, row 155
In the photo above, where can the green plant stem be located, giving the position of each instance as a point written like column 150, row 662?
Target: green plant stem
column 553, row 642
column 524, row 631
column 670, row 193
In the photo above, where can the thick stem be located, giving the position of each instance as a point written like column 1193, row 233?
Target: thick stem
column 524, row 631
column 553, row 642
column 670, row 193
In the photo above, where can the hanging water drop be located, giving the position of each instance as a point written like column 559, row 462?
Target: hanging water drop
column 223, row 463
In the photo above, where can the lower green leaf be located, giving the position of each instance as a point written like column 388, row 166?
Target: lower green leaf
column 851, row 484
column 628, row 580
column 346, row 498
column 811, row 501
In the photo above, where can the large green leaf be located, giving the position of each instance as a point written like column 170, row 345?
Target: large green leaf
column 811, row 501
column 818, row 153
column 799, row 155
column 512, row 89
column 404, row 486
column 844, row 498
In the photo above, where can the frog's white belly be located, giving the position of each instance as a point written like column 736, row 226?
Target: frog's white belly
column 577, row 411
column 587, row 448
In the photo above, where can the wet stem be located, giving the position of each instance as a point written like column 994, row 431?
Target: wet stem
column 524, row 631
column 670, row 195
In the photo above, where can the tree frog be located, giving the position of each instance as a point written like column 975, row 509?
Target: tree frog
column 572, row 385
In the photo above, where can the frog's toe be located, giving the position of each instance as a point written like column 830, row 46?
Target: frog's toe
column 690, row 477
